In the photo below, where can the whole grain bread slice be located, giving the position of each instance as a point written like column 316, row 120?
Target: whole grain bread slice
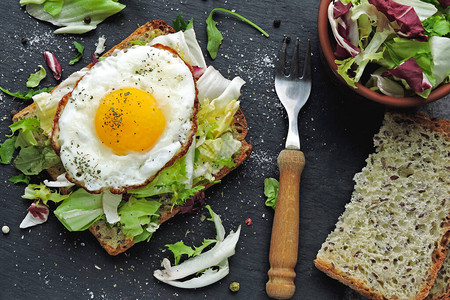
column 392, row 238
column 111, row 238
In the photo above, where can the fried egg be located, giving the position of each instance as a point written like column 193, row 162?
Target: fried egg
column 130, row 116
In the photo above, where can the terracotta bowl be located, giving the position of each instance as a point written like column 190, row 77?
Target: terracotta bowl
column 327, row 43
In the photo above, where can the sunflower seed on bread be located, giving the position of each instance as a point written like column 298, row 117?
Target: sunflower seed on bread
column 392, row 238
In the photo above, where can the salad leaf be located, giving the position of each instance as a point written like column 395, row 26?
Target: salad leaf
column 215, row 37
column 203, row 263
column 35, row 78
column 53, row 7
column 43, row 193
column 20, row 178
column 26, row 95
column 80, row 50
column 413, row 74
column 137, row 42
column 135, row 213
column 80, row 210
column 180, row 24
column 423, row 10
column 440, row 47
column 406, row 17
column 34, row 159
column 37, row 214
column 110, row 203
column 178, row 249
column 25, row 125
column 72, row 13
column 437, row 26
column 271, row 186
column 7, row 150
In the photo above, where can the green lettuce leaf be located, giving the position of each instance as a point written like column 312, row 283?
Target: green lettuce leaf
column 72, row 13
column 136, row 213
column 80, row 210
column 25, row 125
column 40, row 191
column 7, row 150
column 437, row 26
column 178, row 249
column 35, row 78
column 20, row 178
column 180, row 24
column 271, row 186
column 32, row 160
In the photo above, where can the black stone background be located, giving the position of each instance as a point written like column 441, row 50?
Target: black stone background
column 336, row 129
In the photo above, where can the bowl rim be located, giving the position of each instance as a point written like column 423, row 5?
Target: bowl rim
column 328, row 54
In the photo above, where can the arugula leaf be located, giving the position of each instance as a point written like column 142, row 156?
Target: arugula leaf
column 20, row 178
column 271, row 186
column 215, row 37
column 35, row 78
column 26, row 95
column 179, row 24
column 7, row 150
column 137, row 42
column 80, row 50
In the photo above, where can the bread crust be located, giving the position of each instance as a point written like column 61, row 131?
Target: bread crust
column 102, row 231
column 437, row 126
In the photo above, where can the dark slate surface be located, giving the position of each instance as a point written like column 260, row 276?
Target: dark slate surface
column 336, row 128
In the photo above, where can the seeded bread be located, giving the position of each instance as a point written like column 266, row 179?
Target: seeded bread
column 392, row 238
column 110, row 237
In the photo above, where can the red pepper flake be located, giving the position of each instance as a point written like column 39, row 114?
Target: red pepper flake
column 53, row 64
column 248, row 222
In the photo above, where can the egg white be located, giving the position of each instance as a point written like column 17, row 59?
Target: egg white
column 154, row 70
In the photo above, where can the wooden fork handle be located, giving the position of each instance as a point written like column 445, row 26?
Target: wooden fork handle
column 284, row 240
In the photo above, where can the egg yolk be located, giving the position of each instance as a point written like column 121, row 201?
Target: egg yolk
column 129, row 120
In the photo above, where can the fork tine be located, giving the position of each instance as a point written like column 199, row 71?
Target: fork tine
column 294, row 63
column 282, row 57
column 307, row 65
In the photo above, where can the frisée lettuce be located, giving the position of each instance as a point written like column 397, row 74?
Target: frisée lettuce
column 397, row 36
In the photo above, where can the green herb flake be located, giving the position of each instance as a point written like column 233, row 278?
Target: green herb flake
column 35, row 78
column 80, row 51
column 215, row 37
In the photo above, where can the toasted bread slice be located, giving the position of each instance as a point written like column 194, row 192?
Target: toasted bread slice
column 110, row 237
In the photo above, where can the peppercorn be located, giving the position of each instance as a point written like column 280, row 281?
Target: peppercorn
column 87, row 20
column 276, row 23
column 234, row 286
column 24, row 41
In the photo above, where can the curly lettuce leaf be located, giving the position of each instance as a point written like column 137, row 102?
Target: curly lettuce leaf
column 32, row 160
column 7, row 149
column 72, row 13
column 80, row 210
column 43, row 193
column 20, row 178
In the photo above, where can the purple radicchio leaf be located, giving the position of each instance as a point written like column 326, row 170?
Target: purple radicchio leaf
column 198, row 72
column 37, row 214
column 345, row 31
column 53, row 64
column 444, row 3
column 191, row 205
column 406, row 17
column 341, row 9
column 94, row 59
column 411, row 72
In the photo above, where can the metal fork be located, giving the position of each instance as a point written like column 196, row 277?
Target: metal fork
column 293, row 93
